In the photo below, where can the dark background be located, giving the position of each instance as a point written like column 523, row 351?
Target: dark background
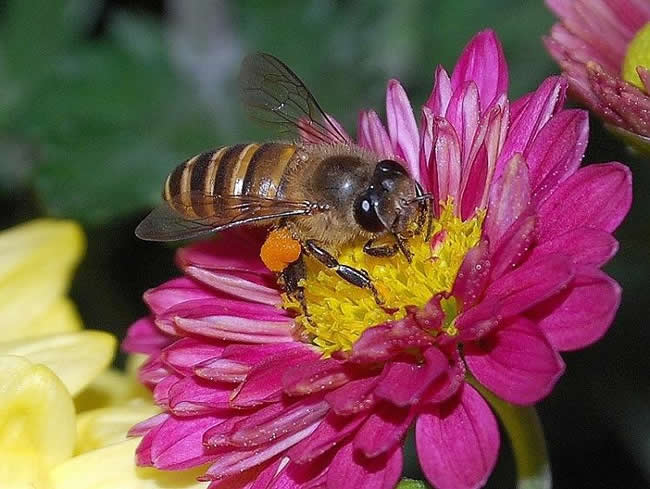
column 100, row 99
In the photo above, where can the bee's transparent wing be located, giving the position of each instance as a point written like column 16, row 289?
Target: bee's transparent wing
column 166, row 223
column 274, row 94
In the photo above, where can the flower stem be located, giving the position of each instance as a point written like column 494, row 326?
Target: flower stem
column 527, row 438
column 411, row 484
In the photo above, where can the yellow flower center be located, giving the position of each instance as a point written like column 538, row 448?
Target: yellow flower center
column 340, row 312
column 638, row 54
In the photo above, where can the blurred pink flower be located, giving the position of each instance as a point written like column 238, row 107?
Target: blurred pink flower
column 590, row 43
column 244, row 391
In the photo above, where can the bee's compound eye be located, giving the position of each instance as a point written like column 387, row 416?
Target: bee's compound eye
column 365, row 213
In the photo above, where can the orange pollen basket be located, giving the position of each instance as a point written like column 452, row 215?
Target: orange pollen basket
column 279, row 250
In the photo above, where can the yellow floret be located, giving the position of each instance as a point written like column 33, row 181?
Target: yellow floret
column 340, row 312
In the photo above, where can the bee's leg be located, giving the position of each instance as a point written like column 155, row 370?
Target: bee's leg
column 355, row 276
column 425, row 213
column 290, row 278
column 403, row 247
column 380, row 251
column 428, row 210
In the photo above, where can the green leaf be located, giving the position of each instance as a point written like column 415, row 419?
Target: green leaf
column 111, row 124
column 33, row 32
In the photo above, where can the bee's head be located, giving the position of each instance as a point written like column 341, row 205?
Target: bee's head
column 391, row 200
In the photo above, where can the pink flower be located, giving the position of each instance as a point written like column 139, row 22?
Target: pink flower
column 268, row 402
column 600, row 45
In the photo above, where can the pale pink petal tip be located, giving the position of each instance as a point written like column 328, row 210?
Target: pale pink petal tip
column 144, row 337
column 402, row 128
column 484, row 63
column 373, row 135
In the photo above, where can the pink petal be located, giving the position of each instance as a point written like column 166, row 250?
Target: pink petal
column 222, row 370
column 463, row 114
column 264, row 382
column 479, row 320
column 275, row 422
column 585, row 246
column 472, row 276
column 257, row 477
column 246, row 285
column 329, row 433
column 301, row 476
column 509, row 199
column 143, row 427
column 143, row 452
column 252, row 355
column 234, row 462
column 427, row 172
column 167, row 295
column 514, row 245
column 351, row 469
column 183, row 355
column 498, row 123
column 152, row 372
column 483, row 62
column 229, row 328
column 458, row 442
column 178, row 444
column 372, row 135
column 516, row 362
column 405, row 381
column 330, row 132
column 383, row 430
column 531, row 283
column 556, row 152
column 162, row 388
column 380, row 343
column 224, row 306
column 473, row 184
column 354, row 397
column 232, row 251
column 217, row 436
column 402, row 129
column 449, row 382
column 192, row 396
column 598, row 196
column 439, row 99
column 529, row 115
column 447, row 160
column 582, row 314
column 144, row 337
column 238, row 359
column 310, row 377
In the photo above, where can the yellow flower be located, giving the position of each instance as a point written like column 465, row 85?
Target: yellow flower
column 52, row 373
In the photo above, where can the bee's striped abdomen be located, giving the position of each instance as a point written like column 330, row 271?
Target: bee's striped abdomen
column 242, row 169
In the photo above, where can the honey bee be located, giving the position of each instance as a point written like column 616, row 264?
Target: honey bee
column 322, row 194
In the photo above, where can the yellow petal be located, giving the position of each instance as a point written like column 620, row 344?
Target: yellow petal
column 36, row 263
column 133, row 362
column 112, row 387
column 113, row 467
column 76, row 358
column 60, row 317
column 37, row 422
column 102, row 427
